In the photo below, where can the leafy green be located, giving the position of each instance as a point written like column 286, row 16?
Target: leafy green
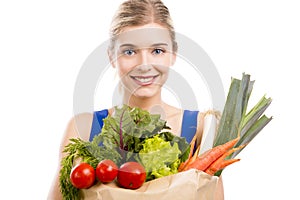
column 183, row 145
column 159, row 157
column 128, row 127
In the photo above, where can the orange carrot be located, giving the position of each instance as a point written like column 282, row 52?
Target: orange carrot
column 221, row 163
column 192, row 145
column 194, row 157
column 189, row 163
column 207, row 158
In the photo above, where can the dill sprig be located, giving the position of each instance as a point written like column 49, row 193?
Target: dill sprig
column 89, row 152
column 77, row 148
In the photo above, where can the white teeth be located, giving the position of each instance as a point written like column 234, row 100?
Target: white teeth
column 144, row 80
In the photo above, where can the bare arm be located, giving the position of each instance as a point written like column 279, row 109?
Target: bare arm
column 79, row 126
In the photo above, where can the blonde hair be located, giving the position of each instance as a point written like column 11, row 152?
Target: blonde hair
column 141, row 12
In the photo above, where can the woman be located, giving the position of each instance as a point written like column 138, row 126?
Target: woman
column 142, row 49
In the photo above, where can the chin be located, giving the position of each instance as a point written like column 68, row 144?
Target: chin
column 145, row 93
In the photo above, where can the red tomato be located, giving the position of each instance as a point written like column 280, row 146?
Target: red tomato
column 131, row 175
column 106, row 171
column 82, row 176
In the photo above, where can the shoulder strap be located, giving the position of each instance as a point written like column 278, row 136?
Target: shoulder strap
column 189, row 124
column 98, row 122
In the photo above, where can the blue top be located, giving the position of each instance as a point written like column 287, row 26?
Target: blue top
column 188, row 128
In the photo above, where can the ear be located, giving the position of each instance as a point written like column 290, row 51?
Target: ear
column 111, row 58
column 173, row 57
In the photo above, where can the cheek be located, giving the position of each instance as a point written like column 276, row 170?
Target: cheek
column 163, row 68
column 165, row 76
column 167, row 60
column 123, row 67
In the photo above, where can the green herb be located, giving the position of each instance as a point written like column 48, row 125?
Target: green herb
column 76, row 149
column 88, row 152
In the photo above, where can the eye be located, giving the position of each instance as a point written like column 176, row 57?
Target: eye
column 129, row 52
column 158, row 51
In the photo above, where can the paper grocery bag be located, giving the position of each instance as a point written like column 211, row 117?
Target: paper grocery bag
column 189, row 185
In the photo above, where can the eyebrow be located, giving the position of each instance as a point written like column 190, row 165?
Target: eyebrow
column 153, row 45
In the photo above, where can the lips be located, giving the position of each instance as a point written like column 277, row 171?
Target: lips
column 144, row 80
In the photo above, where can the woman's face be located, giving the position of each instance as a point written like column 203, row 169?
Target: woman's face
column 142, row 56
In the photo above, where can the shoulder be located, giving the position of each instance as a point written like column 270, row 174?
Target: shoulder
column 77, row 127
column 81, row 123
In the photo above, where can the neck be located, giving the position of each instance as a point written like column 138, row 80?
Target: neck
column 147, row 103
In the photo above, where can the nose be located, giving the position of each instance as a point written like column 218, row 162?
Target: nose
column 144, row 61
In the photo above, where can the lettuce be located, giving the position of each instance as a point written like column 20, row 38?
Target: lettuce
column 159, row 157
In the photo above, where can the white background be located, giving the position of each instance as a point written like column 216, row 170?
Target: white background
column 43, row 45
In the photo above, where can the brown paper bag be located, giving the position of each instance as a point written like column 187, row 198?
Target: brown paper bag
column 189, row 185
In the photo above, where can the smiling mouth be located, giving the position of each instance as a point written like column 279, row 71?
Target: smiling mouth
column 144, row 80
